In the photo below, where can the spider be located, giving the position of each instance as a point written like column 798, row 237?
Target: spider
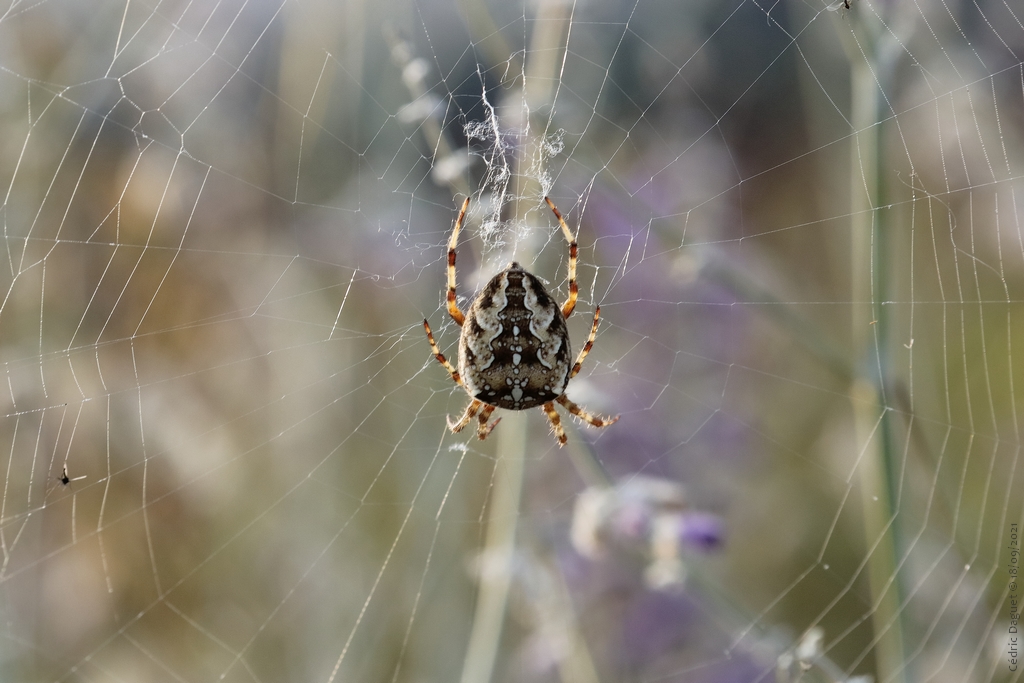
column 514, row 347
column 64, row 479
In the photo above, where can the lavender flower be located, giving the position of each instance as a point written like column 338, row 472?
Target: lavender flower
column 644, row 517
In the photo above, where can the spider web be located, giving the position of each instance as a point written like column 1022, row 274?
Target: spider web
column 226, row 455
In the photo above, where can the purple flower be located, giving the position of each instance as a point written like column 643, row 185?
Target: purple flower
column 644, row 517
column 703, row 531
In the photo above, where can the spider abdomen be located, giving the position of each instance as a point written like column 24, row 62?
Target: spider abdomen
column 514, row 349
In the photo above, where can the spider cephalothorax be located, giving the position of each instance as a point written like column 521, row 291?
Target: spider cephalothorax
column 514, row 348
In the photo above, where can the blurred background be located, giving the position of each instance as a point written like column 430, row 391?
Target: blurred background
column 223, row 444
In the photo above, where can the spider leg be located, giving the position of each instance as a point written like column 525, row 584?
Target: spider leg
column 586, row 347
column 453, row 307
column 482, row 428
column 471, row 410
column 556, row 423
column 440, row 356
column 595, row 420
column 570, row 303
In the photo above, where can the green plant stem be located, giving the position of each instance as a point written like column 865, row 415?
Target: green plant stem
column 871, row 66
column 499, row 551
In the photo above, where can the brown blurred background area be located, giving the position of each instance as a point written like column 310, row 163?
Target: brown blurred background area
column 223, row 223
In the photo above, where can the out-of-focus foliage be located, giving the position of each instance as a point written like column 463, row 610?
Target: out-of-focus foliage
column 224, row 221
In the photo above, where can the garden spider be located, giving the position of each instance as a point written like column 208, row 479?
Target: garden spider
column 514, row 347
